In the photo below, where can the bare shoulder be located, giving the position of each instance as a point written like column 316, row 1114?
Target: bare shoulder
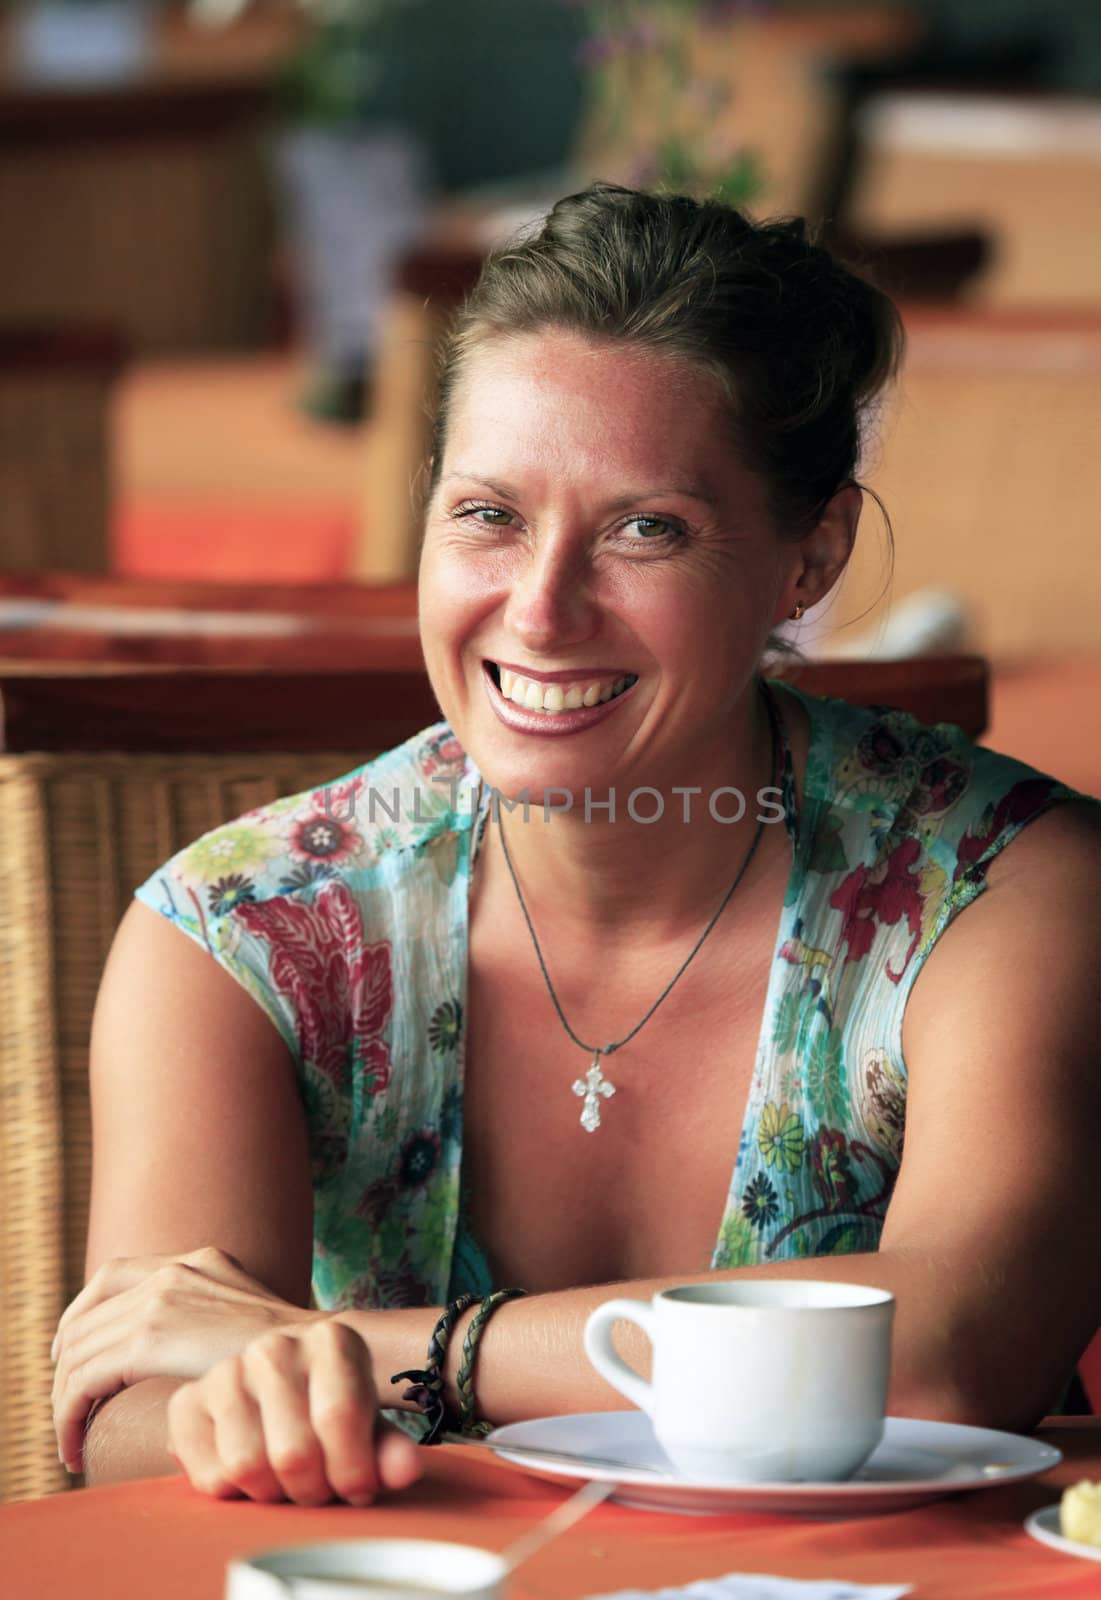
column 155, row 960
column 1015, row 970
column 1060, row 848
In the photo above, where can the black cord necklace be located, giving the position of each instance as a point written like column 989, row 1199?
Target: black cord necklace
column 594, row 1086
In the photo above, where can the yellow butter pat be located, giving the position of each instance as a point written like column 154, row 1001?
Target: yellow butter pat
column 1080, row 1513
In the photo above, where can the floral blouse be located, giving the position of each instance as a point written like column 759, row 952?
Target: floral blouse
column 344, row 913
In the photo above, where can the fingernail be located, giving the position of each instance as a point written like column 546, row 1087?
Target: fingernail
column 53, row 1349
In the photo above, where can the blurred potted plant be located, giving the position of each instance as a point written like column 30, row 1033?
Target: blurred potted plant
column 661, row 110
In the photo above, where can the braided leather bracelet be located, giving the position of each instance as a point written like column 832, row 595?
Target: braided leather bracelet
column 426, row 1390
column 464, row 1383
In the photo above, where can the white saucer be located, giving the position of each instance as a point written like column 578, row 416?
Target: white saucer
column 916, row 1462
column 1044, row 1525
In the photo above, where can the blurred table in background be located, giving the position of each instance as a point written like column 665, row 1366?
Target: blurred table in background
column 69, row 619
column 145, row 204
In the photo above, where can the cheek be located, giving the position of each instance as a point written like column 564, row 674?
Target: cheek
column 453, row 600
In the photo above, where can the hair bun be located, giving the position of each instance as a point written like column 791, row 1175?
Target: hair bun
column 800, row 344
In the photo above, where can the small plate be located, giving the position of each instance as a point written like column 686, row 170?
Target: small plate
column 916, row 1462
column 1044, row 1525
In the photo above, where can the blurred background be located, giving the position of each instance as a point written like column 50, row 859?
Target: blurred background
column 230, row 231
column 230, row 234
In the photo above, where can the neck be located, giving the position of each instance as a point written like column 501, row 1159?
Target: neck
column 595, row 878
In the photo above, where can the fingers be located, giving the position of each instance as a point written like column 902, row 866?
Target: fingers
column 152, row 1316
column 277, row 1370
column 344, row 1411
column 293, row 1418
column 116, row 1276
column 400, row 1462
column 191, row 1441
column 133, row 1334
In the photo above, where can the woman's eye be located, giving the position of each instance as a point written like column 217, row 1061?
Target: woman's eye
column 486, row 516
column 654, row 528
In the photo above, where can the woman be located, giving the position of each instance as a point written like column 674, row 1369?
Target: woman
column 402, row 1057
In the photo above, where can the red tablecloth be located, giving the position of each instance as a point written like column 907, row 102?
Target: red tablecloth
column 159, row 1540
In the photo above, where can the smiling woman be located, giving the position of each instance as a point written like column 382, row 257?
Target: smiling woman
column 632, row 968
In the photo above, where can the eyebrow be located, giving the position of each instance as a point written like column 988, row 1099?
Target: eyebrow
column 683, row 491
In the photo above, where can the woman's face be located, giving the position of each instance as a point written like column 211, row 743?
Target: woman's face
column 590, row 529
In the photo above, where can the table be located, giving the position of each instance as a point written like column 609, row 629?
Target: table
column 80, row 619
column 160, row 1538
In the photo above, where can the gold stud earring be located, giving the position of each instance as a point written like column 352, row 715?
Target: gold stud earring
column 797, row 614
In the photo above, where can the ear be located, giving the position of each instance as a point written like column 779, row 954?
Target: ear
column 822, row 555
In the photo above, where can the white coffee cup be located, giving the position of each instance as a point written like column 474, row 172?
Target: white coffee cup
column 778, row 1380
column 395, row 1569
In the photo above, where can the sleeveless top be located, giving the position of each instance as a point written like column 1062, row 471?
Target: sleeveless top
column 344, row 914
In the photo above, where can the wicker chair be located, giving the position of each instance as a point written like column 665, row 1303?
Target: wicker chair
column 103, row 777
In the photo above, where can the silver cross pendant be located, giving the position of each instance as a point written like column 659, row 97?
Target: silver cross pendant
column 592, row 1088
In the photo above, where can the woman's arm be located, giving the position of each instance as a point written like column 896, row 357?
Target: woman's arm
column 132, row 1442
column 199, row 1140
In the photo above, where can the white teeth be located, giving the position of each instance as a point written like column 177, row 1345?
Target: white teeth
column 552, row 698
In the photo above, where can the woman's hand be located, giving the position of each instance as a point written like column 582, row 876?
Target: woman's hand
column 154, row 1316
column 293, row 1417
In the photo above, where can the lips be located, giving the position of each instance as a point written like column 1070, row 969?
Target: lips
column 569, row 718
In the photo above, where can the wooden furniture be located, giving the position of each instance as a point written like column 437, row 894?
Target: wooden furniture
column 1024, row 169
column 145, row 204
column 62, row 617
column 104, row 774
column 432, row 281
column 56, row 479
column 346, row 627
column 107, row 591
column 164, row 709
column 161, row 1538
column 985, row 460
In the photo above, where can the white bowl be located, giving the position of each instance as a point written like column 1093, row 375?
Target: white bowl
column 397, row 1568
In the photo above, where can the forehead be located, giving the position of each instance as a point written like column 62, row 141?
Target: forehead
column 577, row 405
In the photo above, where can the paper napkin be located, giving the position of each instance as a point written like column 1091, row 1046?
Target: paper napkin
column 759, row 1586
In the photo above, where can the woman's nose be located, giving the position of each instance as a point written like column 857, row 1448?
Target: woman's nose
column 551, row 603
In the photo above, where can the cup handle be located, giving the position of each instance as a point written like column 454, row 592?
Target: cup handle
column 598, row 1348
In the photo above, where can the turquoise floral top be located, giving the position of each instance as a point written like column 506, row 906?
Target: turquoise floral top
column 344, row 914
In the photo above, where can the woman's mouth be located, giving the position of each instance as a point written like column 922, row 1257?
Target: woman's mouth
column 559, row 698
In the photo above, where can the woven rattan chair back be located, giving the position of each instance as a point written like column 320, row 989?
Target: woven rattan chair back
column 77, row 833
